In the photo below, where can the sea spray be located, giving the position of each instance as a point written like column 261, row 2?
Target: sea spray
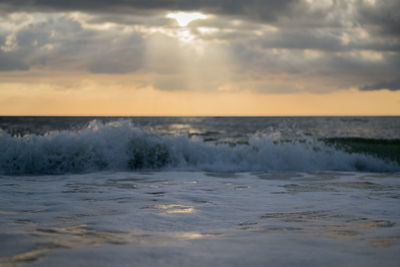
column 120, row 146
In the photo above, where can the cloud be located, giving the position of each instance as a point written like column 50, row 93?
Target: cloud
column 261, row 9
column 326, row 45
column 60, row 42
column 9, row 62
column 382, row 17
column 121, row 55
column 392, row 85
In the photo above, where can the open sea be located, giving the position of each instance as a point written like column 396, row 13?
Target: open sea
column 199, row 191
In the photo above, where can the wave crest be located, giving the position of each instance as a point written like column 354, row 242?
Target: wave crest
column 119, row 146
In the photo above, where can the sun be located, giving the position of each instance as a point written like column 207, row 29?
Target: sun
column 184, row 18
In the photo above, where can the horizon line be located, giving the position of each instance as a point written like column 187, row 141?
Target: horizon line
column 226, row 115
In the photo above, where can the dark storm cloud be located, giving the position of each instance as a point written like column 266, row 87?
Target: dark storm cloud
column 299, row 62
column 345, row 43
column 129, row 19
column 337, row 69
column 305, row 39
column 121, row 55
column 10, row 61
column 328, row 41
column 392, row 85
column 62, row 43
column 324, row 37
column 297, row 20
column 257, row 9
column 383, row 17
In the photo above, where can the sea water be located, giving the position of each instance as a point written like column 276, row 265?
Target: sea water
column 183, row 191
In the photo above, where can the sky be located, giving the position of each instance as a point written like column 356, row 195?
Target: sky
column 196, row 58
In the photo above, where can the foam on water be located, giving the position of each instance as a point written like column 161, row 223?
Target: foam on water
column 120, row 146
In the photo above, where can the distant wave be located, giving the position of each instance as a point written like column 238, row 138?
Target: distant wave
column 119, row 146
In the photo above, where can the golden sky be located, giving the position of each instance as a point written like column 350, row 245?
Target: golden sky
column 179, row 58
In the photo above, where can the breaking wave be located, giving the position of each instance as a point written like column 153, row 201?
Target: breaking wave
column 119, row 146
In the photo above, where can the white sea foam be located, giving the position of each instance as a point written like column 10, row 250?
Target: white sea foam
column 121, row 146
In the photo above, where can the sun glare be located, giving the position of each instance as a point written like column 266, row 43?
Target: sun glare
column 184, row 18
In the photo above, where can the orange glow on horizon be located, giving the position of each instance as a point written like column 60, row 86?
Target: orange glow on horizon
column 147, row 101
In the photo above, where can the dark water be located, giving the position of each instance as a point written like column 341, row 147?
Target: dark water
column 220, row 127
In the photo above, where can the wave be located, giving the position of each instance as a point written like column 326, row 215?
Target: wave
column 119, row 146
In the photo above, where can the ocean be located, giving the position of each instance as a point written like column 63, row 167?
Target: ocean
column 199, row 191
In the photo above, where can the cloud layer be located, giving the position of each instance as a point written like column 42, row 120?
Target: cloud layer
column 262, row 46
